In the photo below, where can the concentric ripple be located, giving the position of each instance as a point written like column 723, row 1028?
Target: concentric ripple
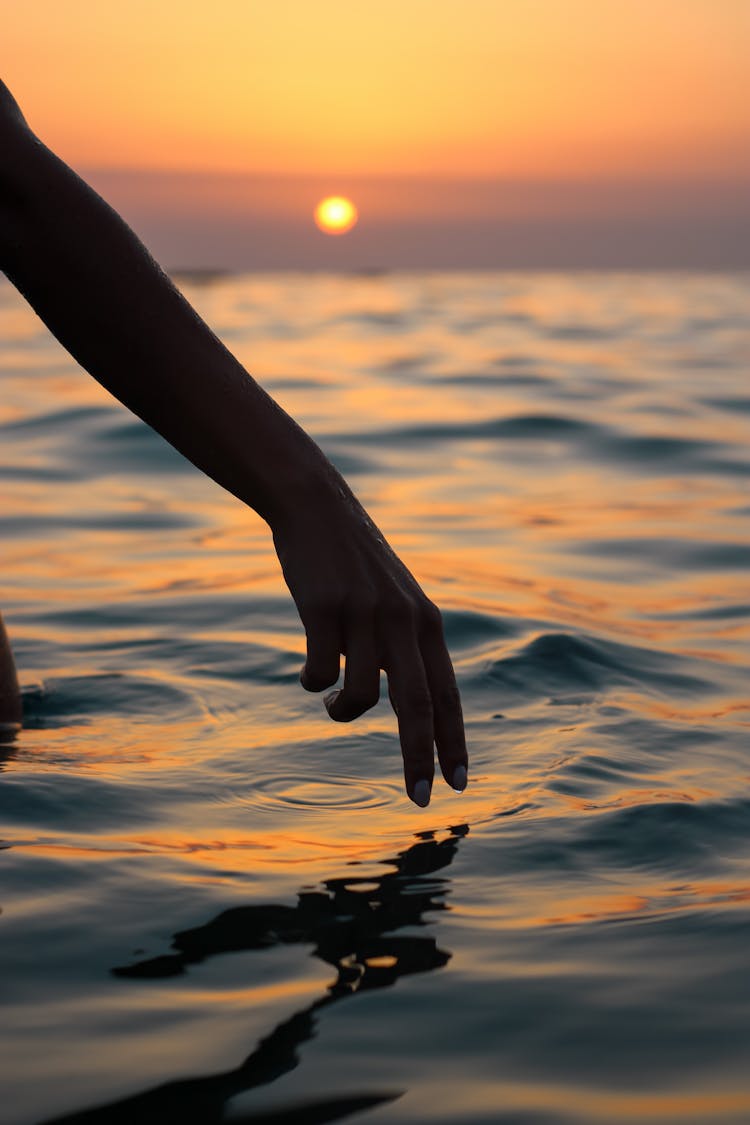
column 309, row 793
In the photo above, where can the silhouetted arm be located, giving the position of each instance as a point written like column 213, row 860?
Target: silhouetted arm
column 102, row 295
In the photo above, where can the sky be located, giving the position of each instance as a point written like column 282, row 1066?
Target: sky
column 474, row 132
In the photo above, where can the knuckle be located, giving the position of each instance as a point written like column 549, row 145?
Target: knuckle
column 431, row 619
column 319, row 607
column 362, row 607
column 398, row 610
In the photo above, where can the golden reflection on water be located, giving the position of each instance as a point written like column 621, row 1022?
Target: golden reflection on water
column 159, row 650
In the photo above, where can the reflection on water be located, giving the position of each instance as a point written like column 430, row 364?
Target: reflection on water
column 352, row 925
column 564, row 462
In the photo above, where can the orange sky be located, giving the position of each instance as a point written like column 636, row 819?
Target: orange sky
column 477, row 88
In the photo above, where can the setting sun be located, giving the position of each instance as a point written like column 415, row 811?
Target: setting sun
column 335, row 214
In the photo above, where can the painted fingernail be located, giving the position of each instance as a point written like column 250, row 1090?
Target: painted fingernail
column 459, row 779
column 422, row 794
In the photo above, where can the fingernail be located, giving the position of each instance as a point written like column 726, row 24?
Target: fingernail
column 459, row 779
column 331, row 697
column 422, row 794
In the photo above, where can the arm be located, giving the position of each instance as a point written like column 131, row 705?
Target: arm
column 98, row 290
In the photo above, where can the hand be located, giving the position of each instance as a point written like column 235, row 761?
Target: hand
column 356, row 597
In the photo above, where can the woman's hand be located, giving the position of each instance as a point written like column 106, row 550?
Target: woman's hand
column 355, row 597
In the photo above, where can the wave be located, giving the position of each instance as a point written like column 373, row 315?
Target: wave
column 674, row 553
column 561, row 662
column 679, row 835
column 62, row 701
column 588, row 441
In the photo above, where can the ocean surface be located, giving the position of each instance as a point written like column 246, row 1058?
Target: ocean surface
column 217, row 905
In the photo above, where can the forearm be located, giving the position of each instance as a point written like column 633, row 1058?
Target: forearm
column 103, row 296
column 110, row 305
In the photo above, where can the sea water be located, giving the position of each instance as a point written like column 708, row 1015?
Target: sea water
column 218, row 905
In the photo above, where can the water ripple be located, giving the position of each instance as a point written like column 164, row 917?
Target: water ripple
column 563, row 462
column 310, row 793
column 554, row 662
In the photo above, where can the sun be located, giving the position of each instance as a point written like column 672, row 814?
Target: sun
column 335, row 214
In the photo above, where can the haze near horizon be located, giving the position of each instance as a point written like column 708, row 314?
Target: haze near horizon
column 550, row 133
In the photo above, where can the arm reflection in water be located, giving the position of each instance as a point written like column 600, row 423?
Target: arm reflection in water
column 351, row 924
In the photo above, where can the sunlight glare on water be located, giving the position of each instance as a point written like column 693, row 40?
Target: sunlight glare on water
column 202, row 873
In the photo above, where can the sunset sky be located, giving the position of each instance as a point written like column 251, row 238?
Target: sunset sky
column 544, row 110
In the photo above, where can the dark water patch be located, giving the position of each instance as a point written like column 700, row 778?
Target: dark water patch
column 516, row 317
column 719, row 556
column 203, row 278
column 588, row 386
column 673, row 553
column 583, row 332
column 647, row 831
column 705, row 324
column 219, row 662
column 386, row 321
column 48, row 475
column 570, row 700
column 592, row 1030
column 540, row 426
column 645, row 745
column 465, row 629
column 514, row 360
column 351, row 464
column 40, row 526
column 491, row 379
column 297, row 383
column 230, row 661
column 597, row 767
column 53, row 802
column 412, row 362
column 664, row 409
column 723, row 467
column 59, row 422
column 703, row 362
column 559, row 662
column 129, row 446
column 599, row 444
column 276, row 329
column 736, row 405
column 70, row 700
column 181, row 612
column 247, row 663
column 660, row 453
column 653, row 449
column 672, row 835
column 710, row 613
